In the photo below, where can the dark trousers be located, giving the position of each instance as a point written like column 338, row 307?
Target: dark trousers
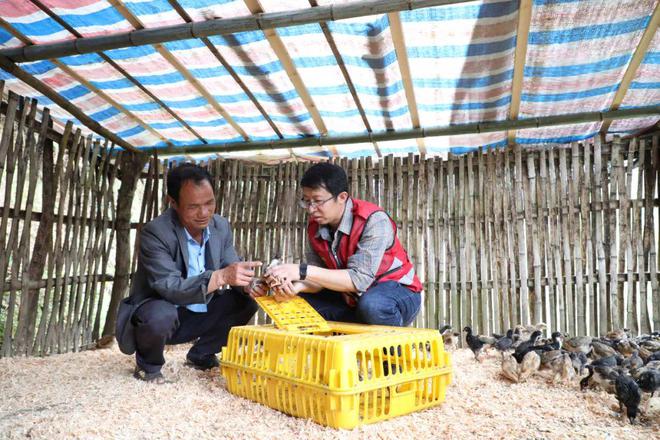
column 159, row 322
column 386, row 303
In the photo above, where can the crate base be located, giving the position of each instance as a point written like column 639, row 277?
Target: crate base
column 349, row 376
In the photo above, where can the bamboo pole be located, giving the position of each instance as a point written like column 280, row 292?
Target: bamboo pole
column 8, row 152
column 532, row 200
column 66, row 199
column 586, row 193
column 522, row 244
column 451, row 130
column 33, row 153
column 653, row 256
column 546, row 243
column 442, row 230
column 34, row 262
column 627, row 228
column 53, row 177
column 566, row 234
column 616, row 160
column 510, row 237
column 13, row 255
column 602, row 321
column 107, row 242
column 648, row 238
column 577, row 240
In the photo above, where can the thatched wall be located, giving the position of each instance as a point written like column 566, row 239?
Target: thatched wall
column 565, row 236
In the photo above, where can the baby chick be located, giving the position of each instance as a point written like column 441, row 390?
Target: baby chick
column 509, row 367
column 530, row 364
column 628, row 394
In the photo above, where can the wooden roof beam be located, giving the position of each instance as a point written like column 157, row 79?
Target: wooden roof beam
column 524, row 22
column 635, row 62
column 66, row 69
column 50, row 93
column 347, row 78
column 118, row 68
column 211, row 47
column 167, row 55
column 287, row 63
column 450, row 130
column 404, row 67
column 221, row 26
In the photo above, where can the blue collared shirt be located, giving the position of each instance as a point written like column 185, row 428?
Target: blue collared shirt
column 197, row 262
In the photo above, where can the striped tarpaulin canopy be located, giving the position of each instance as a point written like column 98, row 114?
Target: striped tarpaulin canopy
column 466, row 62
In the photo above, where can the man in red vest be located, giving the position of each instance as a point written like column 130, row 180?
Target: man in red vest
column 356, row 268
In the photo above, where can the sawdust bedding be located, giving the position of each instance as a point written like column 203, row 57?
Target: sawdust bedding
column 92, row 395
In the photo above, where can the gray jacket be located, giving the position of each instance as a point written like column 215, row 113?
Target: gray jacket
column 163, row 260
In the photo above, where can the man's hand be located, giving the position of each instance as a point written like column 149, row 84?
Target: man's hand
column 283, row 272
column 237, row 274
column 256, row 288
column 287, row 290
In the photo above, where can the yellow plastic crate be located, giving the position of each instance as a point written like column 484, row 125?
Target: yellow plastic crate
column 347, row 376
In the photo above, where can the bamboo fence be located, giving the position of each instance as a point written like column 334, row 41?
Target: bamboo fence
column 53, row 276
column 565, row 236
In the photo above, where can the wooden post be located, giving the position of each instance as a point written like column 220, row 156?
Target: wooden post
column 130, row 168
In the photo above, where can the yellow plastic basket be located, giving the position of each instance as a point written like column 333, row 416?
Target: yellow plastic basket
column 346, row 376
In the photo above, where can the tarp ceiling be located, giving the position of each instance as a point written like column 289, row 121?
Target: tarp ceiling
column 460, row 69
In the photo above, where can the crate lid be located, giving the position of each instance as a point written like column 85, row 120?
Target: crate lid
column 295, row 314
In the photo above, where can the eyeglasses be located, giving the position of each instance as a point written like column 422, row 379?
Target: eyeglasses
column 304, row 204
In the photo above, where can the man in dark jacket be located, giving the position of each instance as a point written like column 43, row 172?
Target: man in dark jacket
column 185, row 262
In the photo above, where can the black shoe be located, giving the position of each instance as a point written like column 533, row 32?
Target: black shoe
column 156, row 377
column 205, row 363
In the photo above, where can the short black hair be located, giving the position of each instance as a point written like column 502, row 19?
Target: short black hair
column 184, row 172
column 326, row 175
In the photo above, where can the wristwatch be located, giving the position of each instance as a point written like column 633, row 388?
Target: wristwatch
column 302, row 267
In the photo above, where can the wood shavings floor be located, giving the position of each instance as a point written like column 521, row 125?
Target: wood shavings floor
column 92, row 395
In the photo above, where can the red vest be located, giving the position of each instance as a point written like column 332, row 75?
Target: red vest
column 362, row 210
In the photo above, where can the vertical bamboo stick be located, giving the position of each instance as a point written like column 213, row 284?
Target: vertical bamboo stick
column 577, row 240
column 30, row 297
column 441, row 238
column 56, row 321
column 587, row 215
column 509, row 218
column 616, row 160
column 452, row 243
column 532, row 202
column 653, row 256
column 566, row 227
column 545, row 220
column 648, row 259
column 555, row 216
column 14, row 252
column 600, row 248
column 470, row 228
column 39, row 344
column 493, row 240
column 465, row 317
column 429, row 231
column 627, row 228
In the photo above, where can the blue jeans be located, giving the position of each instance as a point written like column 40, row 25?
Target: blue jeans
column 386, row 303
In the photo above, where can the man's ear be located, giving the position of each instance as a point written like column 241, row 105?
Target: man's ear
column 172, row 202
column 342, row 197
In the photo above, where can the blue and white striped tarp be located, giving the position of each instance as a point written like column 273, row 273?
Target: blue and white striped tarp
column 460, row 57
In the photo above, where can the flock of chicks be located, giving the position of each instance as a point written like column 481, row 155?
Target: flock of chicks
column 624, row 366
